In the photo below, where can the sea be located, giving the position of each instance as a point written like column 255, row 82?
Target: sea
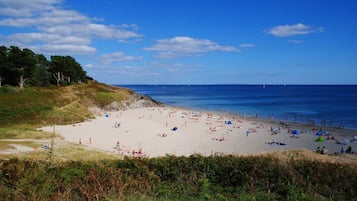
column 325, row 105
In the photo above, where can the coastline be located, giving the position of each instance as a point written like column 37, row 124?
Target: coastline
column 150, row 132
column 269, row 120
column 329, row 105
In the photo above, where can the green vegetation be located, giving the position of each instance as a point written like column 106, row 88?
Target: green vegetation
column 63, row 105
column 22, row 133
column 23, row 67
column 178, row 178
column 63, row 151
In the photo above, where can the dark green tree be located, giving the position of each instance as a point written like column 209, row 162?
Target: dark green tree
column 4, row 64
column 66, row 70
column 13, row 69
column 29, row 62
column 40, row 77
column 40, row 74
column 18, row 66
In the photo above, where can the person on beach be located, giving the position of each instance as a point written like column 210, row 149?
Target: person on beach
column 324, row 151
column 117, row 125
column 318, row 150
column 117, row 145
column 349, row 150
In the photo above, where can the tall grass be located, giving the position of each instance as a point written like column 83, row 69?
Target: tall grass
column 44, row 106
column 22, row 132
column 178, row 178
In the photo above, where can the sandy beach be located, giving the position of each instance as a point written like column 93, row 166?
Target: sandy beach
column 158, row 131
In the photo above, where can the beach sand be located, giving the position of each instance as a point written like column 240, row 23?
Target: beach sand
column 149, row 132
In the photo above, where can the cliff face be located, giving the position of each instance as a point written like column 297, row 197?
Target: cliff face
column 134, row 101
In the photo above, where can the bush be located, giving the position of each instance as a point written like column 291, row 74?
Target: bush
column 179, row 178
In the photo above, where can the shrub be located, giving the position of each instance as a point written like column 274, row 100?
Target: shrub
column 178, row 178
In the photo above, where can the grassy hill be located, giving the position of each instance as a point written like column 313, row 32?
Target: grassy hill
column 33, row 106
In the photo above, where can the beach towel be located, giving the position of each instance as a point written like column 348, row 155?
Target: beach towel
column 320, row 139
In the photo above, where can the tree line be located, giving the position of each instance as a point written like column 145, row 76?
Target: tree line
column 23, row 67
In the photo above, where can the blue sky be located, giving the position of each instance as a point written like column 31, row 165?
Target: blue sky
column 192, row 41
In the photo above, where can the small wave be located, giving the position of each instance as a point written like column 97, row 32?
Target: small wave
column 302, row 112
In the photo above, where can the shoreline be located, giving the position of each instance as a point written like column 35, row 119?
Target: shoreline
column 349, row 131
column 150, row 132
column 298, row 103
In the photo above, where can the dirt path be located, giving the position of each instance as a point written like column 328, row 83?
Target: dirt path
column 16, row 145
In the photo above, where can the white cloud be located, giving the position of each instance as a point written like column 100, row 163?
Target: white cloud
column 295, row 41
column 292, row 30
column 26, row 38
column 68, row 22
column 21, row 8
column 64, row 49
column 89, row 65
column 51, row 25
column 181, row 46
column 247, row 45
column 52, row 17
column 117, row 57
column 175, row 67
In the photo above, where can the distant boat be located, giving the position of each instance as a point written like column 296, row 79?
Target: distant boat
column 263, row 86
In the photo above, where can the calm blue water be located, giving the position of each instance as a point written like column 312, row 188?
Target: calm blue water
column 335, row 105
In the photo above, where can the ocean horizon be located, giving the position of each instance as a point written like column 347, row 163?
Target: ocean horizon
column 330, row 105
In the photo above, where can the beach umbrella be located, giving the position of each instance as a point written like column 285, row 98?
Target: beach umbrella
column 319, row 133
column 295, row 132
